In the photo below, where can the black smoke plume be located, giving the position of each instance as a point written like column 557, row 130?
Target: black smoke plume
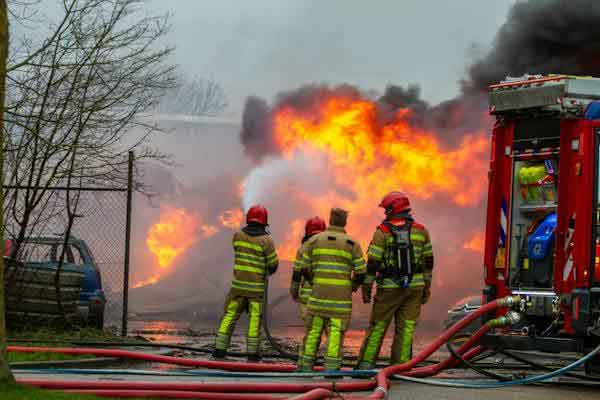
column 256, row 133
column 542, row 37
column 538, row 37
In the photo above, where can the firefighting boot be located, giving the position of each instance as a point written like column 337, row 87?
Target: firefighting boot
column 219, row 354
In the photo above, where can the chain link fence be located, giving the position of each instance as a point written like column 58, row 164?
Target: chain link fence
column 101, row 220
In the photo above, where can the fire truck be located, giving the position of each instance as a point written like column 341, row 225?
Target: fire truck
column 542, row 236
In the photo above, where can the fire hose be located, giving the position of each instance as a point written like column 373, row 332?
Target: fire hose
column 310, row 391
column 265, row 322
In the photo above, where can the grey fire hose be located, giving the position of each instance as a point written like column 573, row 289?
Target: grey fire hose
column 265, row 322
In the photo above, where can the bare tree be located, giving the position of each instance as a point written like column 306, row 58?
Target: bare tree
column 5, row 373
column 194, row 96
column 76, row 105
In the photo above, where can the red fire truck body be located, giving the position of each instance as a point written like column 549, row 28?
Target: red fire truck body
column 543, row 211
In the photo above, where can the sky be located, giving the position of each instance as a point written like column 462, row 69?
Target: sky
column 263, row 47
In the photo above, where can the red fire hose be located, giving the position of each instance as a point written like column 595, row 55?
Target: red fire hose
column 236, row 391
column 136, row 355
column 224, row 387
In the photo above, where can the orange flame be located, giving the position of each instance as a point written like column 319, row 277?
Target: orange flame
column 475, row 243
column 372, row 159
column 146, row 282
column 232, row 219
column 175, row 232
column 287, row 250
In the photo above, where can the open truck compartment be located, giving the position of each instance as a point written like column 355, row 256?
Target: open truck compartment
column 543, row 216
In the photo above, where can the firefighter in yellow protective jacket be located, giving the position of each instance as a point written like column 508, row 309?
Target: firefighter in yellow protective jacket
column 300, row 287
column 255, row 259
column 336, row 265
column 401, row 257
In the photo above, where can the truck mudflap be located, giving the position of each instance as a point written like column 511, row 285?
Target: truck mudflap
column 533, row 343
column 581, row 307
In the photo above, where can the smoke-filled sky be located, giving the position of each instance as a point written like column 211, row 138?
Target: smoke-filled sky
column 263, row 47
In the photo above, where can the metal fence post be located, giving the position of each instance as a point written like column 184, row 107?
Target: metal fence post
column 127, row 244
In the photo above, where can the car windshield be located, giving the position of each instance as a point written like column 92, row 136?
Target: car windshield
column 49, row 252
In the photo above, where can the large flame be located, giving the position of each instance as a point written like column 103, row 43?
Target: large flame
column 174, row 233
column 287, row 250
column 372, row 158
column 168, row 239
column 365, row 159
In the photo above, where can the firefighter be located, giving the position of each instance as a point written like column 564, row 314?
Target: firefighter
column 335, row 263
column 401, row 257
column 301, row 287
column 255, row 259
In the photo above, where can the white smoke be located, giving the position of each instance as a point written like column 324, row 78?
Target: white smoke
column 306, row 172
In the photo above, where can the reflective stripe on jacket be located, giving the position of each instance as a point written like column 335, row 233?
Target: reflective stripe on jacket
column 333, row 259
column 254, row 256
column 305, row 287
column 422, row 257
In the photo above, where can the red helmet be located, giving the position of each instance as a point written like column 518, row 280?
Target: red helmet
column 395, row 203
column 314, row 225
column 257, row 213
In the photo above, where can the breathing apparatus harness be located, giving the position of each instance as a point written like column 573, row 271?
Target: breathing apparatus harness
column 398, row 254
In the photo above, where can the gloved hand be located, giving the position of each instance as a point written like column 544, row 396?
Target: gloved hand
column 367, row 290
column 426, row 295
column 294, row 292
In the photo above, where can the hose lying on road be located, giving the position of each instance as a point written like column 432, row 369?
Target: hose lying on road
column 195, row 372
column 491, row 385
column 136, row 355
column 546, row 368
column 473, row 366
column 220, row 387
column 193, row 349
column 309, row 390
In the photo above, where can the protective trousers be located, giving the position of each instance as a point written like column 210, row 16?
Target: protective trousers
column 303, row 312
column 405, row 306
column 315, row 325
column 234, row 306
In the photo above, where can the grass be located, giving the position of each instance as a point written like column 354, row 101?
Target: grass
column 45, row 336
column 18, row 392
column 36, row 357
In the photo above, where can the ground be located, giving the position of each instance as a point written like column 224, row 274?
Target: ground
column 551, row 392
column 45, row 336
column 399, row 390
column 17, row 392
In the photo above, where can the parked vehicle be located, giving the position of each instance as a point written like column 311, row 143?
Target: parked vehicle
column 43, row 253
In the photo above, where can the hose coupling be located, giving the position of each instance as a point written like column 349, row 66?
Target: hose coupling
column 382, row 390
column 511, row 318
column 509, row 301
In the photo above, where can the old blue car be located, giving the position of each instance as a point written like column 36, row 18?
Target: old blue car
column 43, row 254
